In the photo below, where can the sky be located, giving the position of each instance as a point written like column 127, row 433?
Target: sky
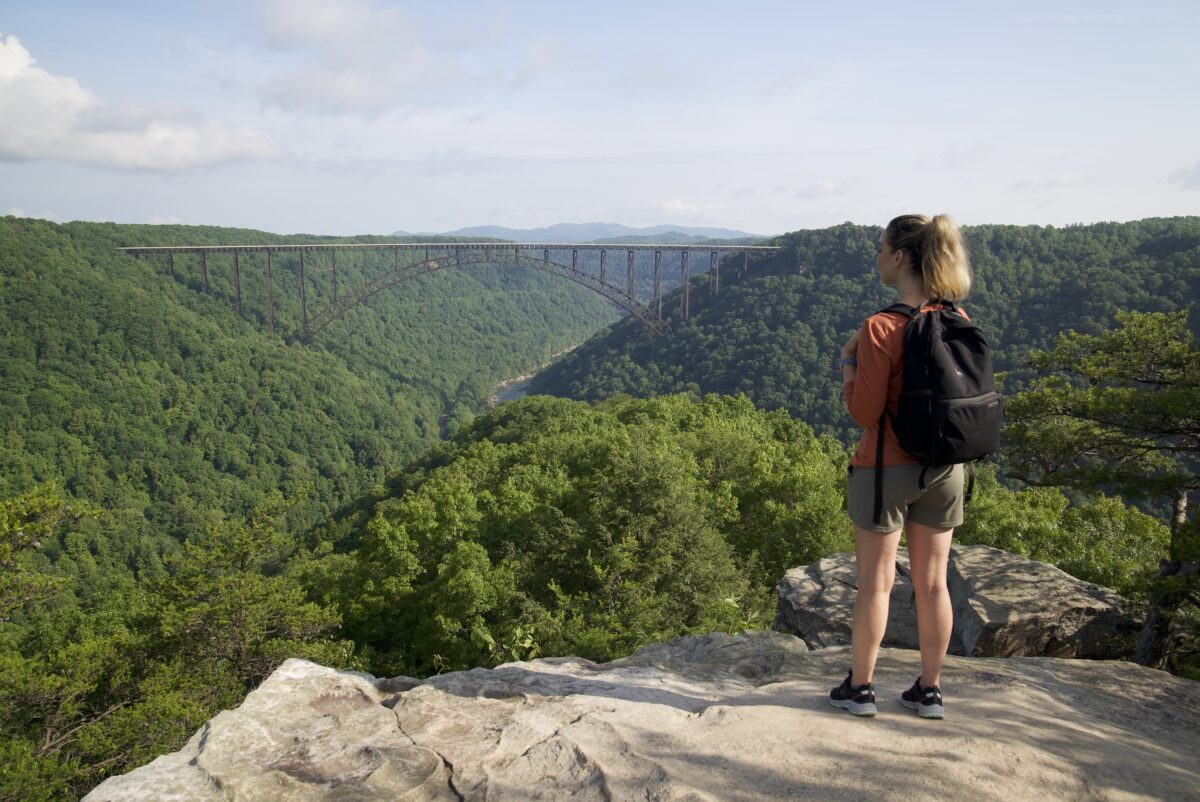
column 368, row 116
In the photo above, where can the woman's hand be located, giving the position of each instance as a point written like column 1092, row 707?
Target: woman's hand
column 850, row 349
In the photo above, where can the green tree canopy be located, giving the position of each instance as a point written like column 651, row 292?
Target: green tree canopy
column 555, row 527
column 1121, row 410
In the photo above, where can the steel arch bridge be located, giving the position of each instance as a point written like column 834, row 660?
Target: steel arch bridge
column 434, row 256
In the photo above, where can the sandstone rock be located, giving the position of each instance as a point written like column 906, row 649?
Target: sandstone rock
column 709, row 718
column 1004, row 606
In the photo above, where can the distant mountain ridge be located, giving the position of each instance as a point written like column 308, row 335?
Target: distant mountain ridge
column 587, row 232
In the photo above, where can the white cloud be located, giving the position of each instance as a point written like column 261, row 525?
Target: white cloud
column 1187, row 177
column 676, row 209
column 824, row 189
column 16, row 211
column 51, row 117
column 958, row 156
column 1042, row 183
column 357, row 57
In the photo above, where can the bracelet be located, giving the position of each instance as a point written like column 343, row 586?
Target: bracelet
column 847, row 360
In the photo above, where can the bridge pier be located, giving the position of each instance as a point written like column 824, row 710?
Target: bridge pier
column 270, row 297
column 684, row 270
column 303, row 300
column 603, row 265
column 713, row 278
column 629, row 276
column 333, row 261
column 658, row 283
column 204, row 271
column 237, row 285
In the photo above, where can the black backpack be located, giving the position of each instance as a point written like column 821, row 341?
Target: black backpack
column 949, row 409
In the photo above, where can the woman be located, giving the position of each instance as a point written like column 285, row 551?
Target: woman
column 924, row 260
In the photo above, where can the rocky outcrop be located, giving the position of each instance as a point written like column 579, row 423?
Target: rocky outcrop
column 1004, row 606
column 697, row 718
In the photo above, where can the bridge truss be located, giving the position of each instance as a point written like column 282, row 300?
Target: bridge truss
column 413, row 259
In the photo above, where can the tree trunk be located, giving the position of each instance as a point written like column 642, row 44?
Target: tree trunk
column 1165, row 599
column 1167, row 595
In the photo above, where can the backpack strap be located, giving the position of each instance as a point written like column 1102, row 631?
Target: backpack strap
column 879, row 469
column 910, row 312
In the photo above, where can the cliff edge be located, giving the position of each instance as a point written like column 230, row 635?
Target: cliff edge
column 716, row 717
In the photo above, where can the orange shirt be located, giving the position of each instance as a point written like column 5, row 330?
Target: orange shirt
column 878, row 380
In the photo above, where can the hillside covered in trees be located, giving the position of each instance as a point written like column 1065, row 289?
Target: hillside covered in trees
column 774, row 332
column 545, row 527
column 139, row 392
column 186, row 500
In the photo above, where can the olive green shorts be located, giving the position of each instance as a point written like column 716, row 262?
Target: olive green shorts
column 939, row 505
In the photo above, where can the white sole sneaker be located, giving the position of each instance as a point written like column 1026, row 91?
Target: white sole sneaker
column 925, row 711
column 864, row 709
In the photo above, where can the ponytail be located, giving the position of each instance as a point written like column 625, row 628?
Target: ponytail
column 937, row 248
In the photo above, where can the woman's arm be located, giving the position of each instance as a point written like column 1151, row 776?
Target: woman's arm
column 865, row 385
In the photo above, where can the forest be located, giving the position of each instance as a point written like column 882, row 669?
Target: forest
column 772, row 331
column 186, row 500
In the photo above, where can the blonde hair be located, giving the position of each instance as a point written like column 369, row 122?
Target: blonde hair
column 935, row 247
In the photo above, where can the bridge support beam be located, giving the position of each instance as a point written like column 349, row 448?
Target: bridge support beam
column 684, row 270
column 713, row 277
column 333, row 261
column 303, row 300
column 603, row 266
column 237, row 285
column 629, row 276
column 270, row 297
column 204, row 270
column 658, row 283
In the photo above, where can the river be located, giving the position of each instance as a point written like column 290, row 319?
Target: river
column 516, row 387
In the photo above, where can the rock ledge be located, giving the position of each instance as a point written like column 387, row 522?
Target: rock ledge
column 717, row 717
column 1004, row 606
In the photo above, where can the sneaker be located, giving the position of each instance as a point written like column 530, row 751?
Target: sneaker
column 860, row 701
column 926, row 701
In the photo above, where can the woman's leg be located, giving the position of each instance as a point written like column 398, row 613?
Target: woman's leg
column 928, row 553
column 876, row 555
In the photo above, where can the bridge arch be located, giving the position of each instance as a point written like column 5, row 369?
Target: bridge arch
column 490, row 257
